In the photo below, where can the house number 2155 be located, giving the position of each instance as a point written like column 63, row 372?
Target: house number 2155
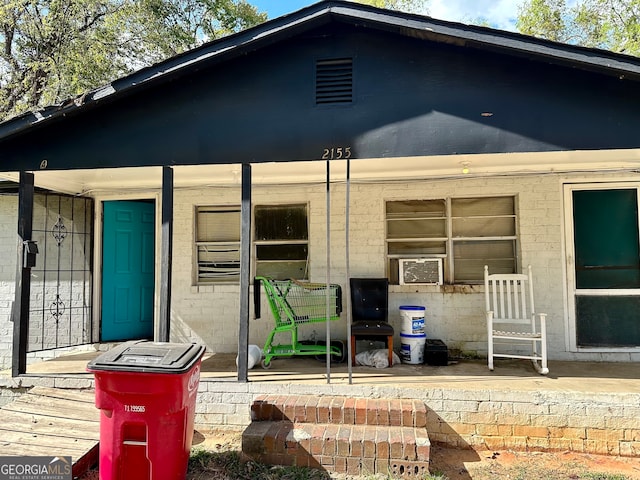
column 337, row 153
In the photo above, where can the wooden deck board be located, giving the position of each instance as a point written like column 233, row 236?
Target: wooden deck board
column 27, row 423
column 49, row 421
column 82, row 396
column 46, row 408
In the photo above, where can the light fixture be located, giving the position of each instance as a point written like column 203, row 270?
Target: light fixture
column 465, row 167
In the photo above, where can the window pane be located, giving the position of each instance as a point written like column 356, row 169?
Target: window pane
column 484, row 249
column 281, row 222
column 217, row 224
column 282, row 252
column 283, row 270
column 424, row 228
column 471, row 207
column 470, row 257
column 416, row 208
column 484, row 227
column 218, row 261
column 608, row 321
column 393, row 270
column 409, row 249
column 606, row 238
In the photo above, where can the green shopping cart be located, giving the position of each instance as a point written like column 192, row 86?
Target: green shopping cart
column 294, row 303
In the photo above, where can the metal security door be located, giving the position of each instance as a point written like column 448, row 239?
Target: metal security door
column 60, row 312
column 607, row 267
column 128, row 270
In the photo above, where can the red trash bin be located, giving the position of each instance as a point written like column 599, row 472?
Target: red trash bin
column 146, row 392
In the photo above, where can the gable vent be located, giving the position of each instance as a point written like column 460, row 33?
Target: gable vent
column 334, row 81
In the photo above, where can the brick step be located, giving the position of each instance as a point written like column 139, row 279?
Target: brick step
column 339, row 410
column 350, row 449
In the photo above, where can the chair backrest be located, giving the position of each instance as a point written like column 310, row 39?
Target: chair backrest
column 509, row 296
column 369, row 298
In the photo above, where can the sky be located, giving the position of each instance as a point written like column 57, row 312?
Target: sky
column 496, row 13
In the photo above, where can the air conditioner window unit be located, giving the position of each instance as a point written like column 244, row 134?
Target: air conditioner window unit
column 420, row 271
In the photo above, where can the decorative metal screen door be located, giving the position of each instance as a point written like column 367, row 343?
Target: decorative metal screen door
column 60, row 313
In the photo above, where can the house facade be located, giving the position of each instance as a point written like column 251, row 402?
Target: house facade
column 417, row 141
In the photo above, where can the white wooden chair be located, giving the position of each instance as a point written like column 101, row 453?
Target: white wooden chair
column 512, row 319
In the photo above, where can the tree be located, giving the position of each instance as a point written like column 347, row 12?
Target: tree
column 411, row 6
column 51, row 50
column 609, row 24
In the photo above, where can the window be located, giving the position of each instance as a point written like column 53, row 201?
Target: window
column 467, row 233
column 218, row 243
column 281, row 241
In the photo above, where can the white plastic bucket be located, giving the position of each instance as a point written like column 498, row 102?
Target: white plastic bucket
column 412, row 348
column 412, row 317
column 254, row 355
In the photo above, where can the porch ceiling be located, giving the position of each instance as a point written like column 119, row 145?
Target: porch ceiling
column 91, row 182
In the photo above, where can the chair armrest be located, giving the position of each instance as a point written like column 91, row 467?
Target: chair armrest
column 541, row 316
column 543, row 322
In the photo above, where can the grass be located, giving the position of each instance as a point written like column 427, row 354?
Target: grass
column 204, row 465
column 226, row 465
column 603, row 476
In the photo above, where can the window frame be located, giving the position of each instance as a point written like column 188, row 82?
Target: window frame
column 233, row 278
column 449, row 240
column 257, row 243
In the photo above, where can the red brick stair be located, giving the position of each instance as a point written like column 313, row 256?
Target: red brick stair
column 356, row 436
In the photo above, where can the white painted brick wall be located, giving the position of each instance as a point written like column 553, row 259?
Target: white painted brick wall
column 211, row 313
column 8, row 256
column 454, row 315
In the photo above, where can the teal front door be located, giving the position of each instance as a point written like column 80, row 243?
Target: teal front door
column 128, row 240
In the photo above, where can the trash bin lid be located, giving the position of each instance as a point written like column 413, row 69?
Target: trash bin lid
column 149, row 357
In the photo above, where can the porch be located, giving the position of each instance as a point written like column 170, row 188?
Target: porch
column 580, row 406
column 468, row 374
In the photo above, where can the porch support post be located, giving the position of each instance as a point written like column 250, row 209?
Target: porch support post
column 328, row 273
column 348, row 268
column 166, row 252
column 20, row 314
column 245, row 273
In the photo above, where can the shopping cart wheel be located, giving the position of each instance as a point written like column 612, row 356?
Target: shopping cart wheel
column 266, row 365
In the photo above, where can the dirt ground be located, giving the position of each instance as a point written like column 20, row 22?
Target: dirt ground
column 478, row 465
column 488, row 465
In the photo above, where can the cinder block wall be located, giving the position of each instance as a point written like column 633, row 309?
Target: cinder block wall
column 598, row 423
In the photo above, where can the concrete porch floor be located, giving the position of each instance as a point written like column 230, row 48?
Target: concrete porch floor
column 509, row 374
